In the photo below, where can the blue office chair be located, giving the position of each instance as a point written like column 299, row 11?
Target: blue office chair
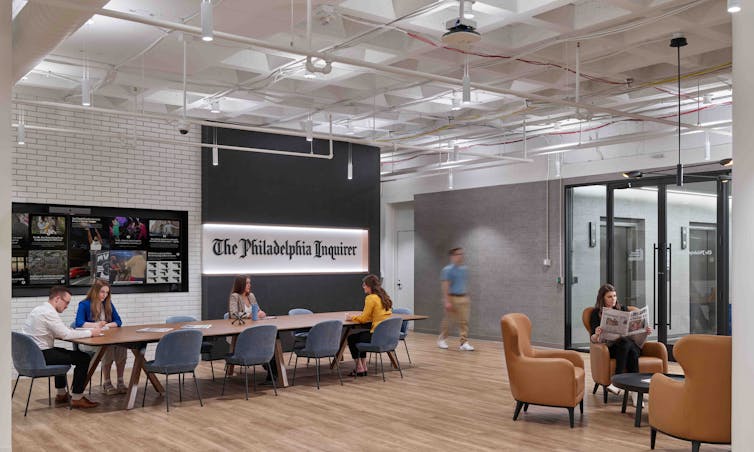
column 91, row 355
column 208, row 345
column 30, row 362
column 323, row 341
column 299, row 336
column 177, row 353
column 384, row 340
column 404, row 329
column 254, row 346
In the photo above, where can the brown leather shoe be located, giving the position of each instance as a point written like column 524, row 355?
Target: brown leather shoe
column 62, row 398
column 83, row 403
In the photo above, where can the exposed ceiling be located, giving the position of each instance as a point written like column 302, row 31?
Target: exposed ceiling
column 525, row 99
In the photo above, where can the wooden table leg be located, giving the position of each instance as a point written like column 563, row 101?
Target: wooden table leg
column 393, row 359
column 133, row 384
column 282, row 377
column 343, row 344
column 94, row 363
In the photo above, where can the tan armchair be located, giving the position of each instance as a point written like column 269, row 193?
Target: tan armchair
column 698, row 408
column 540, row 377
column 653, row 359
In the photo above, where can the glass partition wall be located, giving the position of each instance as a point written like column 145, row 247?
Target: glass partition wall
column 662, row 246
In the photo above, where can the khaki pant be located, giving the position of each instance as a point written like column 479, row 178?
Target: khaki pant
column 458, row 314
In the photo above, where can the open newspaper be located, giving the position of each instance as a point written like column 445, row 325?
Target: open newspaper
column 630, row 324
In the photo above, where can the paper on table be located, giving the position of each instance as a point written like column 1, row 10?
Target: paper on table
column 196, row 327
column 154, row 330
column 270, row 317
column 646, row 380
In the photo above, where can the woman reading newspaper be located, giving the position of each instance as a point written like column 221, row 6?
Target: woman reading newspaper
column 622, row 333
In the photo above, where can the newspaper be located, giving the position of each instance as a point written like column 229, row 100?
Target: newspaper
column 630, row 324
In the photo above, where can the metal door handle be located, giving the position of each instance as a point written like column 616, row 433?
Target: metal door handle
column 654, row 285
column 670, row 286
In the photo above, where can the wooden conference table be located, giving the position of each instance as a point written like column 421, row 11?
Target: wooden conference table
column 130, row 337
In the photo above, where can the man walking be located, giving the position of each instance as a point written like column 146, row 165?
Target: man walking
column 44, row 325
column 454, row 278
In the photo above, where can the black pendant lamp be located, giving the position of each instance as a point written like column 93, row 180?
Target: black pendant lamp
column 678, row 41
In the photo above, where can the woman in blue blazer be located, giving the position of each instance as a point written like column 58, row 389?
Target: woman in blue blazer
column 97, row 309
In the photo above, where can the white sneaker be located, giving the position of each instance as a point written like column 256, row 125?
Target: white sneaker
column 613, row 389
column 466, row 347
column 442, row 344
column 634, row 399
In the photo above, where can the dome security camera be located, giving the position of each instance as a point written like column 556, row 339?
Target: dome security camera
column 183, row 126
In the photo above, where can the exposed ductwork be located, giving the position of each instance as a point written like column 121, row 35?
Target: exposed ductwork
column 39, row 27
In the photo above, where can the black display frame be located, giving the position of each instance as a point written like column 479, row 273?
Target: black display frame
column 69, row 211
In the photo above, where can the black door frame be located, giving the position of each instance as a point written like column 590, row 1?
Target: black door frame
column 661, row 310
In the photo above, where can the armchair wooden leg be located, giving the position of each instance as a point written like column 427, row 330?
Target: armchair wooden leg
column 695, row 446
column 519, row 405
column 570, row 416
column 652, row 438
column 526, row 407
column 596, row 386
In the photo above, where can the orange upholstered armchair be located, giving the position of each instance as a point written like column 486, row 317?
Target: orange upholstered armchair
column 698, row 408
column 540, row 377
column 653, row 359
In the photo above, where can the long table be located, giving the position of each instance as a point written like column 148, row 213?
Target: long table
column 130, row 337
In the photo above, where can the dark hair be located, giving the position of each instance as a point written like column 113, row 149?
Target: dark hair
column 239, row 284
column 453, row 251
column 374, row 284
column 58, row 291
column 600, row 303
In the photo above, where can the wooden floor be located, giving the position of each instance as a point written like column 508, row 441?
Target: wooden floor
column 449, row 400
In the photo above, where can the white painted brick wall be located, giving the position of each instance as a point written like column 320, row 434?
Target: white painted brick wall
column 61, row 168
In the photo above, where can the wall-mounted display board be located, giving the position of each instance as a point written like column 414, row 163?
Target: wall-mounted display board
column 136, row 250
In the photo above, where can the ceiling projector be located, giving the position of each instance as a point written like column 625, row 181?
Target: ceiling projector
column 461, row 32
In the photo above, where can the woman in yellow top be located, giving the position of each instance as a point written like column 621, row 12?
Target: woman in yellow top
column 377, row 307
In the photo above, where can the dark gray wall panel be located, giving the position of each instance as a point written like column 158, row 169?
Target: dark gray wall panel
column 503, row 232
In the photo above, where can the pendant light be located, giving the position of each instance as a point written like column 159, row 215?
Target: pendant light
column 207, row 21
column 678, row 41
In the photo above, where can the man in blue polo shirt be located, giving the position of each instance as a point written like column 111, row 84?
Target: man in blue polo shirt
column 454, row 278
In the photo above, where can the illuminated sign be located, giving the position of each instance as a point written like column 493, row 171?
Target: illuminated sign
column 230, row 249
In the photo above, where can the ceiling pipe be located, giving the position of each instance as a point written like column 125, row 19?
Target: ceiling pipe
column 365, row 64
column 176, row 142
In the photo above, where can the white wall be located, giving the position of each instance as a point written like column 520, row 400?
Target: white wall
column 74, row 169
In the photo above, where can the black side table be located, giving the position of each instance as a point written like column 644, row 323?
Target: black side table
column 638, row 383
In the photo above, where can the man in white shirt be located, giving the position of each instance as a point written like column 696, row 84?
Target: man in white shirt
column 44, row 325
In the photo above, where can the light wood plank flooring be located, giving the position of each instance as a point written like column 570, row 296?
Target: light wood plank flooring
column 448, row 400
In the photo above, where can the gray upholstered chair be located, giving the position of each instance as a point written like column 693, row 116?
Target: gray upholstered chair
column 30, row 362
column 208, row 345
column 299, row 336
column 254, row 346
column 177, row 353
column 323, row 341
column 404, row 329
column 384, row 340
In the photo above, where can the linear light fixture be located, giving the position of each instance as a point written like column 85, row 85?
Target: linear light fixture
column 309, row 129
column 734, row 6
column 86, row 94
column 21, row 133
column 207, row 21
column 707, row 147
column 350, row 162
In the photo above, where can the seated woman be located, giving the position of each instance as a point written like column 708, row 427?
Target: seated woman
column 97, row 309
column 625, row 351
column 240, row 302
column 377, row 307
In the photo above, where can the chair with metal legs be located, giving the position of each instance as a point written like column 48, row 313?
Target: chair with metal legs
column 30, row 362
column 384, row 340
column 177, row 353
column 254, row 346
column 299, row 336
column 323, row 341
column 404, row 329
column 208, row 345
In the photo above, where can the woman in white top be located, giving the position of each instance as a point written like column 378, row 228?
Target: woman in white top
column 241, row 298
